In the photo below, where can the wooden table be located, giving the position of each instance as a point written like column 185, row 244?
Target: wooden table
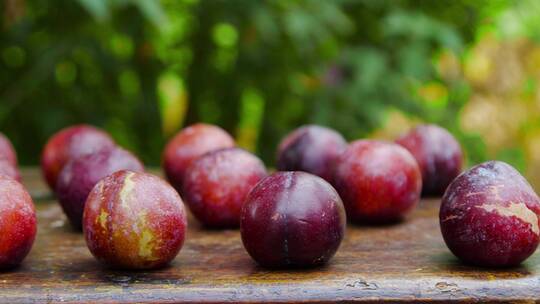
column 403, row 262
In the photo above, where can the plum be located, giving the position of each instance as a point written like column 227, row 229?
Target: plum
column 80, row 174
column 217, row 183
column 312, row 149
column 17, row 223
column 134, row 220
column 68, row 143
column 7, row 151
column 292, row 219
column 489, row 216
column 189, row 144
column 379, row 182
column 8, row 169
column 438, row 154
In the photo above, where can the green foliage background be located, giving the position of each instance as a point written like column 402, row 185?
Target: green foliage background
column 143, row 68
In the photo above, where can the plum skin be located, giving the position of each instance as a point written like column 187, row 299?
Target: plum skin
column 71, row 142
column 489, row 216
column 217, row 183
column 189, row 144
column 17, row 223
column 379, row 182
column 312, row 149
column 134, row 220
column 7, row 151
column 79, row 176
column 292, row 219
column 438, row 154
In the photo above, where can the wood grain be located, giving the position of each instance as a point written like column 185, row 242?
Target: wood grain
column 405, row 262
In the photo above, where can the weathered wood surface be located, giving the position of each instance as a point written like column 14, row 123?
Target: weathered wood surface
column 403, row 262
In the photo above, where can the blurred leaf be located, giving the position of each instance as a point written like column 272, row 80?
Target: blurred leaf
column 413, row 63
column 417, row 26
column 251, row 115
column 172, row 102
column 513, row 156
column 98, row 8
column 152, row 10
column 14, row 56
column 256, row 68
column 65, row 72
column 121, row 46
column 369, row 67
column 224, row 35
column 434, row 95
column 129, row 83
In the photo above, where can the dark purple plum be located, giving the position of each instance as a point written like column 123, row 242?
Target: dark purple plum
column 292, row 219
column 79, row 176
column 379, row 182
column 438, row 154
column 217, row 183
column 311, row 149
column 489, row 216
